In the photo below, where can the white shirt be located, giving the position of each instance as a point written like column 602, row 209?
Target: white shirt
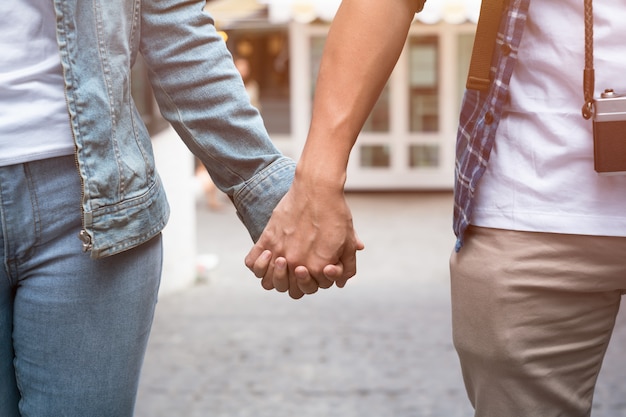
column 34, row 121
column 540, row 175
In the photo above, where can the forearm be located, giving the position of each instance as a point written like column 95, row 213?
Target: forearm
column 363, row 45
column 200, row 92
column 312, row 226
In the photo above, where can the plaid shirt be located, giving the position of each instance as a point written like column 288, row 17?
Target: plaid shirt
column 480, row 116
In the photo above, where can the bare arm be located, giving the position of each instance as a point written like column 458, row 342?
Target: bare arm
column 363, row 46
column 312, row 225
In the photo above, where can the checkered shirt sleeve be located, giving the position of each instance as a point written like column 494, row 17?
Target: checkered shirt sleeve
column 480, row 116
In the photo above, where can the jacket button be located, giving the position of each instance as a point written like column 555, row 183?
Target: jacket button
column 488, row 118
column 506, row 49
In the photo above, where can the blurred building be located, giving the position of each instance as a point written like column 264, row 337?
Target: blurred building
column 408, row 140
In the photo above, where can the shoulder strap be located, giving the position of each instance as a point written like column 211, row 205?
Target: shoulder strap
column 484, row 44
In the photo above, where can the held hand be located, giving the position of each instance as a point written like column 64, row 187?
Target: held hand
column 280, row 277
column 311, row 228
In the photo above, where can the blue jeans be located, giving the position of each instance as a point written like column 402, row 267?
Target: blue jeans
column 73, row 331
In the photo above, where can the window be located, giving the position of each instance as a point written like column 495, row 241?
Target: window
column 423, row 84
column 375, row 156
column 423, row 156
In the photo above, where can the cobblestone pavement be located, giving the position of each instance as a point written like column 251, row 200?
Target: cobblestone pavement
column 381, row 347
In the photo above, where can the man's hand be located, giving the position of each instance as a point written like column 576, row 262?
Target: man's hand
column 309, row 243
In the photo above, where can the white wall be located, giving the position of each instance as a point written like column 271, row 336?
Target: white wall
column 175, row 164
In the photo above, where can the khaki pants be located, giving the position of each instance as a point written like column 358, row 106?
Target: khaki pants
column 532, row 317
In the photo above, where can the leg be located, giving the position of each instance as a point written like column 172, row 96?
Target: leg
column 532, row 317
column 80, row 326
column 81, row 330
column 9, row 395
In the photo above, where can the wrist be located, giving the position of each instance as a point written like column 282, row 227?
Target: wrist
column 321, row 176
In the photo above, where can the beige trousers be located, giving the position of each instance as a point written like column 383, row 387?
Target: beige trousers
column 532, row 317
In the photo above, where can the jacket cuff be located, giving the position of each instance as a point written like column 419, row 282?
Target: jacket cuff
column 256, row 200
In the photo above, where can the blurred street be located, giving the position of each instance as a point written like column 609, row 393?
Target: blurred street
column 381, row 347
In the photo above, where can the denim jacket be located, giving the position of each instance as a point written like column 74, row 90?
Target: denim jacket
column 199, row 91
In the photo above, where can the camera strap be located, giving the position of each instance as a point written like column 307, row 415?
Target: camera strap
column 588, row 72
column 478, row 77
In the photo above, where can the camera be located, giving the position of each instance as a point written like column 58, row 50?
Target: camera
column 609, row 133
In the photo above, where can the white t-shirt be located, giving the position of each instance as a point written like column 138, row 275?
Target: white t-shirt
column 540, row 176
column 34, row 121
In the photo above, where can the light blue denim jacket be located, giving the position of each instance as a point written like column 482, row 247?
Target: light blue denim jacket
column 199, row 91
